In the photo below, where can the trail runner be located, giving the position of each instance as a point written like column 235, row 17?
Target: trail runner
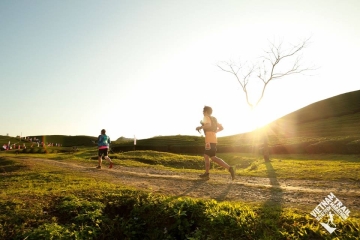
column 211, row 127
column 103, row 142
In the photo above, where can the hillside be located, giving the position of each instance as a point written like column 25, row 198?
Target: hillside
column 337, row 106
column 329, row 126
column 336, row 116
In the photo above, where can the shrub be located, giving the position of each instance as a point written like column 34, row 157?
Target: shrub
column 353, row 147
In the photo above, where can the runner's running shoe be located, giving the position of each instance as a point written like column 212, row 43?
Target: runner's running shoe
column 205, row 176
column 232, row 172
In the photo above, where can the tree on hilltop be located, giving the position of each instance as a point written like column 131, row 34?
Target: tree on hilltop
column 276, row 63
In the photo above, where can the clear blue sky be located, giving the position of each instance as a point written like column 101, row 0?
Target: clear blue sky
column 147, row 68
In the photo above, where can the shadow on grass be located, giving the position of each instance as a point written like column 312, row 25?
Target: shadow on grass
column 196, row 184
column 224, row 193
column 276, row 194
column 201, row 182
column 271, row 209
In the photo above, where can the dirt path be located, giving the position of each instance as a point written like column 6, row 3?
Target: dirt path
column 305, row 194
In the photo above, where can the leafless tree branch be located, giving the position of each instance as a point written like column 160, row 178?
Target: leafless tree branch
column 243, row 80
column 268, row 68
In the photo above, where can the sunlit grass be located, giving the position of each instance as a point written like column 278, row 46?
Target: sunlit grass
column 41, row 200
column 316, row 167
column 40, row 179
column 289, row 166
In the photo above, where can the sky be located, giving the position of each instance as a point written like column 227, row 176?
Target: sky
column 147, row 68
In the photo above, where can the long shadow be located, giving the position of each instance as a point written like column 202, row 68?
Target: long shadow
column 224, row 193
column 272, row 207
column 197, row 184
column 276, row 194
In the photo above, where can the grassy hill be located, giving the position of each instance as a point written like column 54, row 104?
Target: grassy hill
column 336, row 116
column 328, row 126
column 65, row 141
column 175, row 144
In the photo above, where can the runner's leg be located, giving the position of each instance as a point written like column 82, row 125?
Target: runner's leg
column 207, row 163
column 100, row 160
column 108, row 159
column 99, row 157
column 220, row 162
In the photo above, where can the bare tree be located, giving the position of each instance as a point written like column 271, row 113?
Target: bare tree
column 276, row 63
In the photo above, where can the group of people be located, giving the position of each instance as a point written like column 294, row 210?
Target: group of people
column 31, row 139
column 6, row 147
column 209, row 125
column 42, row 144
column 23, row 146
column 9, row 146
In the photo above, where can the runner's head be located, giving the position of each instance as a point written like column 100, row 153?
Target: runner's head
column 207, row 110
column 103, row 131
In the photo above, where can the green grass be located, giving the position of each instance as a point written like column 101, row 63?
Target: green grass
column 286, row 166
column 315, row 167
column 42, row 202
column 45, row 202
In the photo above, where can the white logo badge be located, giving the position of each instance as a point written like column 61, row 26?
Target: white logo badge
column 331, row 206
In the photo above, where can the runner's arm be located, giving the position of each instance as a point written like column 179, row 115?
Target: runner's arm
column 206, row 123
column 219, row 127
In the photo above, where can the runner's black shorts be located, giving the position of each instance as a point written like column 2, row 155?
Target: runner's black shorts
column 103, row 151
column 210, row 149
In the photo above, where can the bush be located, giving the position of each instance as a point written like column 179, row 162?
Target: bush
column 353, row 147
column 129, row 214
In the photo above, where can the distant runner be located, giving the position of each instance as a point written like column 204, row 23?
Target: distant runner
column 103, row 142
column 211, row 127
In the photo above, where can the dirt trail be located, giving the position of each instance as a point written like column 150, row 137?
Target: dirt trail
column 265, row 191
